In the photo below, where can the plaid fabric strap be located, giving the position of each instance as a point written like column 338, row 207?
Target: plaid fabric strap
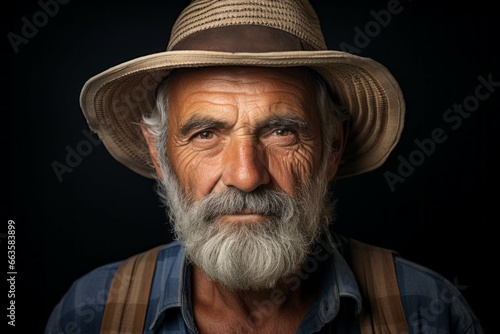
column 128, row 297
column 382, row 311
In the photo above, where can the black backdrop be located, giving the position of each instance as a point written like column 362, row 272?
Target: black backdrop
column 439, row 211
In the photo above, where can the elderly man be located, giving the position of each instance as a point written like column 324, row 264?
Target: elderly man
column 245, row 121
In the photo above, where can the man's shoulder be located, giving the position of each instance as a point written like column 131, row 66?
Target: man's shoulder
column 417, row 279
column 81, row 307
column 431, row 301
column 413, row 278
column 101, row 277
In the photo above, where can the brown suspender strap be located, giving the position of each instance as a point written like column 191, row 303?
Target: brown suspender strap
column 126, row 306
column 382, row 311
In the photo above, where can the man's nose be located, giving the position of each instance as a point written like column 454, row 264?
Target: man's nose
column 244, row 165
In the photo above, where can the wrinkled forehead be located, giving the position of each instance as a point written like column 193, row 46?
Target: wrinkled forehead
column 274, row 90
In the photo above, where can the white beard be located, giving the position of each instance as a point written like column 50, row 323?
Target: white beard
column 250, row 255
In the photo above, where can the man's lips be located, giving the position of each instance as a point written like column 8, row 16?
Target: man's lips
column 243, row 216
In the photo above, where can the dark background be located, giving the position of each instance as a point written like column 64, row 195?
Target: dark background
column 443, row 215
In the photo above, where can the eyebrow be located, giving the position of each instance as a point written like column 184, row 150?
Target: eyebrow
column 285, row 121
column 198, row 122
column 207, row 122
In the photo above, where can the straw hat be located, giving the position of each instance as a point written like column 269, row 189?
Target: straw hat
column 268, row 33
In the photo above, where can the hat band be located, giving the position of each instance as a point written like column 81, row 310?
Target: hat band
column 242, row 38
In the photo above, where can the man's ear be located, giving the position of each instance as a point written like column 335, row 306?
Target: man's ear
column 152, row 149
column 338, row 146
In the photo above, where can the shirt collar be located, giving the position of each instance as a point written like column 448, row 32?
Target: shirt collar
column 168, row 283
column 338, row 282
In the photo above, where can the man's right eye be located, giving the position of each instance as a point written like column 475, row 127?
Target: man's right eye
column 205, row 139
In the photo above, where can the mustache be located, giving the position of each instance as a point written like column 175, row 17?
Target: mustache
column 233, row 201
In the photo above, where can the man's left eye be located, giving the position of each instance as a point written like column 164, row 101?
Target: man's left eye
column 205, row 135
column 282, row 132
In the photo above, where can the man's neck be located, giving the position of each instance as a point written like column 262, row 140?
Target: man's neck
column 219, row 309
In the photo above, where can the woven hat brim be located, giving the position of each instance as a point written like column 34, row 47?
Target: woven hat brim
column 113, row 101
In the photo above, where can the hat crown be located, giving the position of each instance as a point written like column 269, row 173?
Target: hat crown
column 212, row 18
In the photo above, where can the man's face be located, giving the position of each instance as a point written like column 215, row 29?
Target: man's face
column 244, row 128
column 244, row 178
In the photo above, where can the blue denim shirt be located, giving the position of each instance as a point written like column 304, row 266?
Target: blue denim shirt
column 431, row 303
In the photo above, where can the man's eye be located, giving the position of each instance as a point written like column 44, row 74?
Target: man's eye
column 282, row 132
column 204, row 135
